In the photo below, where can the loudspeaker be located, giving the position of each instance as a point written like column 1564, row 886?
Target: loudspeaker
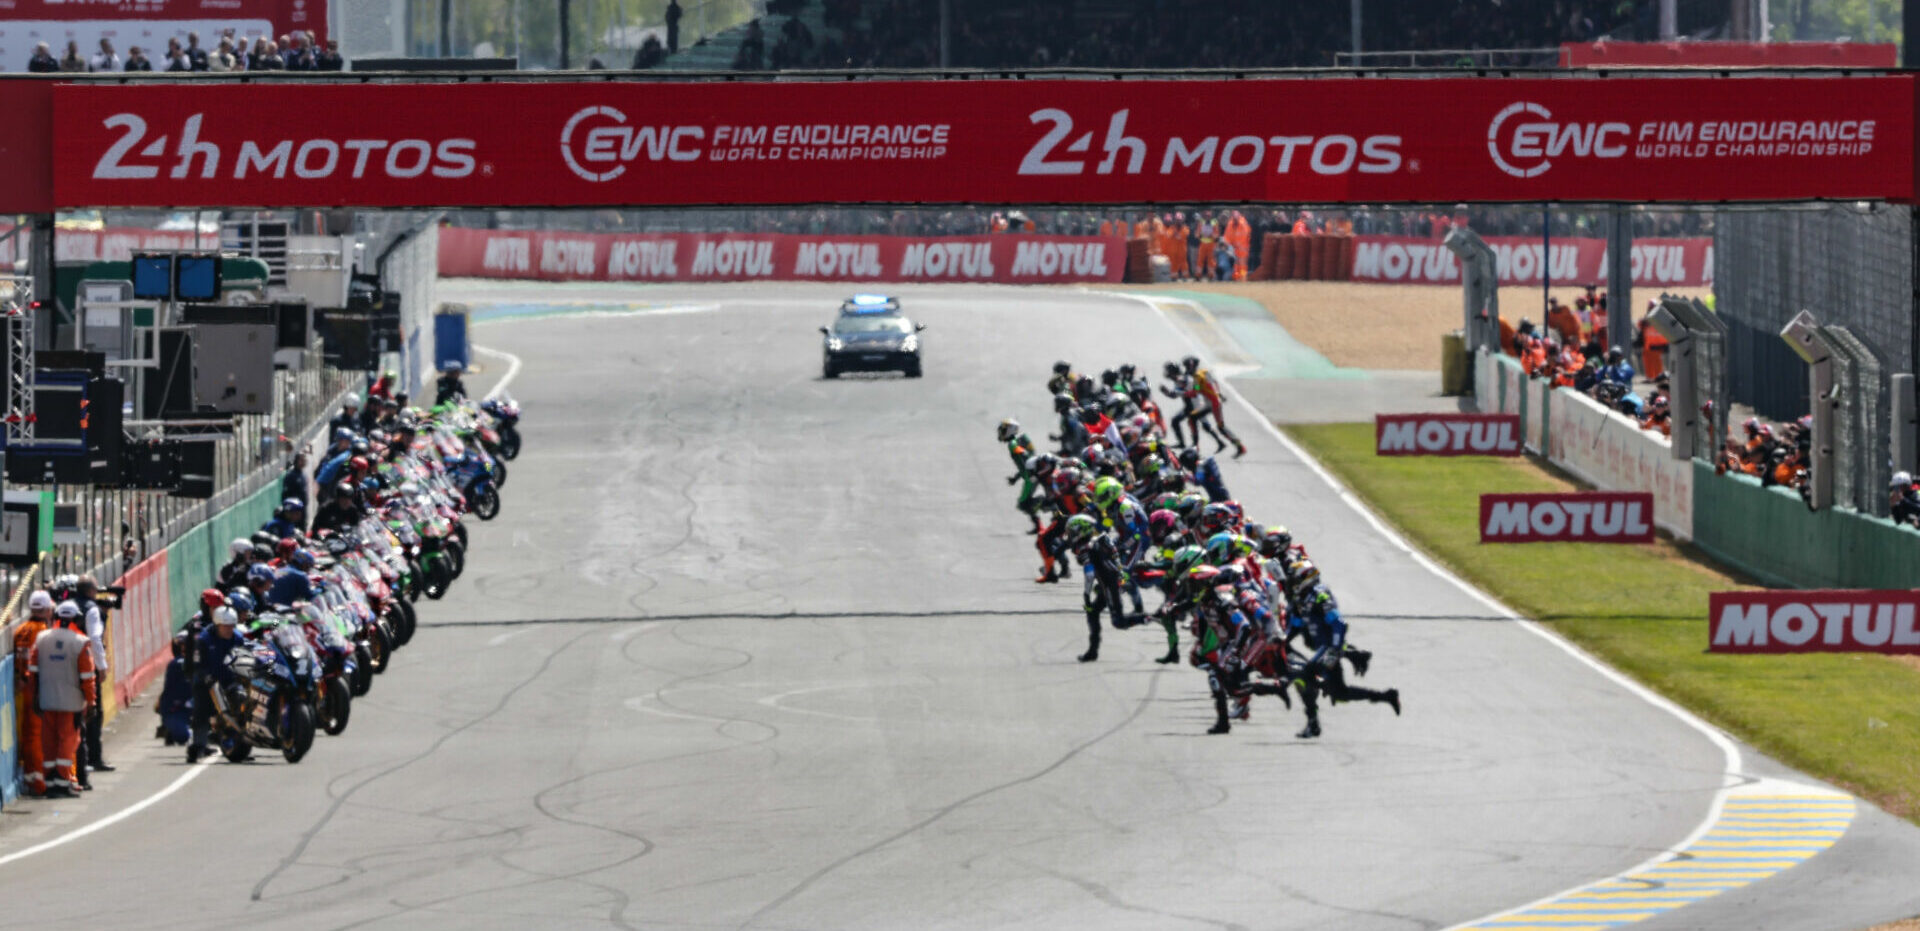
column 93, row 363
column 195, row 461
column 295, row 323
column 106, row 433
column 151, row 464
column 42, row 469
column 349, row 340
column 169, row 388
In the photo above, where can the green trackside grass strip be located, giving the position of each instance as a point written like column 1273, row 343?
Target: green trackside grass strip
column 1851, row 719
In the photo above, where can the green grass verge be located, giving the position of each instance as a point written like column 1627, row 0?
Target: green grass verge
column 1850, row 719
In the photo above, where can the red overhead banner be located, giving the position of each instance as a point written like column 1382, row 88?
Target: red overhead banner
column 1584, row 517
column 1521, row 260
column 1446, row 434
column 1813, row 621
column 553, row 256
column 1326, row 140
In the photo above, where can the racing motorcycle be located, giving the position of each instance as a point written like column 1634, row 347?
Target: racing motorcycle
column 505, row 412
column 476, row 482
column 271, row 704
column 334, row 700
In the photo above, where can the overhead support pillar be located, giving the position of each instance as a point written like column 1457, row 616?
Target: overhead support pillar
column 1479, row 287
column 1619, row 277
column 1802, row 333
column 1683, row 398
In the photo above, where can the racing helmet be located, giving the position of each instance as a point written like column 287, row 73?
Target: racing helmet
column 1081, row 527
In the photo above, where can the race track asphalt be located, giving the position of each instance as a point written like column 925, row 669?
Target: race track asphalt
column 750, row 649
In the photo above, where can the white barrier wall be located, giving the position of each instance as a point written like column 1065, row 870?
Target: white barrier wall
column 1601, row 447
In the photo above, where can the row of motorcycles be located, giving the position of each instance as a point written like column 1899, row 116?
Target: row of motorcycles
column 304, row 661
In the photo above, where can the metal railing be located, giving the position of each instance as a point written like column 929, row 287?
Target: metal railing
column 124, row 526
column 1452, row 58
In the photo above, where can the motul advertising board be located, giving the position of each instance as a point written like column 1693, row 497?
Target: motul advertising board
column 1041, row 141
column 1015, row 259
column 1570, row 517
column 1813, row 621
column 1523, row 260
column 1446, row 434
column 146, row 23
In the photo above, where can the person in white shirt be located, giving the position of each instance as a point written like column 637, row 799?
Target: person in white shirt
column 106, row 59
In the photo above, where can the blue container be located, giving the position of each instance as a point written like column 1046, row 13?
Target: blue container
column 450, row 340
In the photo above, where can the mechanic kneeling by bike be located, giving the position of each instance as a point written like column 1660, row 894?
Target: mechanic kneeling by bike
column 210, row 667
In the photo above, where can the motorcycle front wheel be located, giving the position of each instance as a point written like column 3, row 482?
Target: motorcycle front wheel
column 400, row 617
column 336, row 706
column 296, row 729
column 439, row 577
column 509, row 443
column 456, row 557
column 486, row 505
column 379, row 649
column 360, row 681
column 236, row 749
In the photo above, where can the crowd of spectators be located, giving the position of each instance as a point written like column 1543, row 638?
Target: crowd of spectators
column 294, row 51
column 1424, row 222
column 1780, row 456
column 1573, row 349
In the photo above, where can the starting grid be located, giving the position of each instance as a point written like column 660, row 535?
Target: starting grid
column 1761, row 831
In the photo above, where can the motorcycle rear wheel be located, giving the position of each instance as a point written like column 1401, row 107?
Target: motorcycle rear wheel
column 336, row 706
column 486, row 505
column 296, row 730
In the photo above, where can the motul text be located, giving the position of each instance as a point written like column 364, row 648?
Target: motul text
column 1813, row 622
column 1446, row 434
column 1589, row 517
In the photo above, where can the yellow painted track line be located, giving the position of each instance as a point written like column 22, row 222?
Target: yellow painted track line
column 1753, row 837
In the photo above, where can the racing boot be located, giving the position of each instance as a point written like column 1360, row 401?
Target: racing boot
column 1312, row 729
column 1046, row 569
column 1393, row 699
column 1239, row 449
column 1093, row 639
column 1220, row 723
column 1173, row 642
column 1360, row 659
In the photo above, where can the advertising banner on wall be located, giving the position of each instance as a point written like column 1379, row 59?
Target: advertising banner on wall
column 1524, row 260
column 1040, row 141
column 1813, row 621
column 1610, row 450
column 1570, row 517
column 1446, row 434
column 558, row 256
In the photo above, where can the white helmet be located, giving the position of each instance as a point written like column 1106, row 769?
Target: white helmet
column 225, row 617
column 1009, row 428
column 240, row 546
column 1902, row 480
column 353, row 400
